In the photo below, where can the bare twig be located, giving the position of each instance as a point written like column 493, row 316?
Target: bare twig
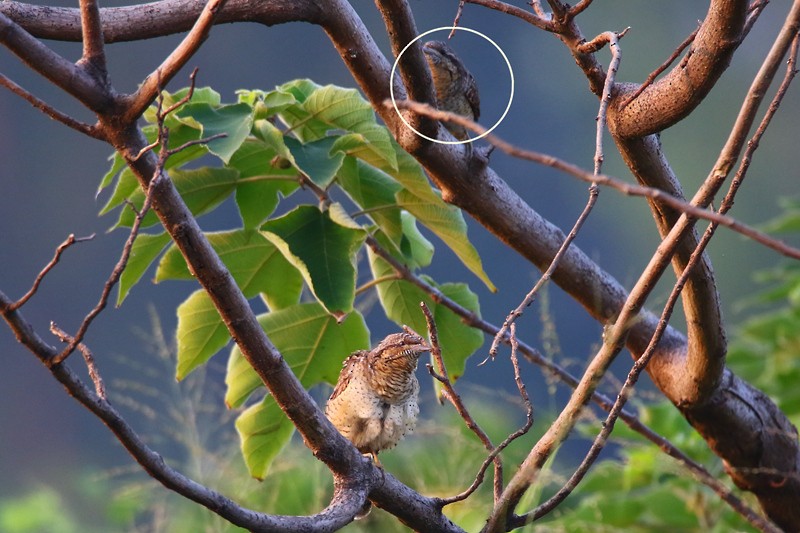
column 511, row 437
column 110, row 282
column 47, row 109
column 752, row 145
column 537, row 19
column 94, row 374
column 457, row 19
column 440, row 374
column 500, row 336
column 691, row 210
column 578, row 8
column 40, row 277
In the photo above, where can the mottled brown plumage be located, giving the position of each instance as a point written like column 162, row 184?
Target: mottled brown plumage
column 374, row 403
column 456, row 90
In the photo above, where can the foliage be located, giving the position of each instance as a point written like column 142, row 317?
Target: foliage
column 365, row 185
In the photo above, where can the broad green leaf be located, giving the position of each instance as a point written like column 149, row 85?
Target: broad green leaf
column 201, row 332
column 234, row 121
column 323, row 250
column 303, row 124
column 374, row 191
column 446, row 221
column 371, row 144
column 202, row 189
column 415, row 247
column 144, row 251
column 400, row 300
column 263, row 431
column 341, row 108
column 301, row 89
column 261, row 183
column 314, row 159
column 309, row 339
column 127, row 184
column 448, row 224
column 253, row 261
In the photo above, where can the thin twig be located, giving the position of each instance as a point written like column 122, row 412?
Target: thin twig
column 72, row 239
column 538, row 18
column 500, row 336
column 457, row 19
column 511, row 437
column 691, row 210
column 111, row 281
column 440, row 374
column 612, row 39
column 94, row 374
column 47, row 109
column 578, row 8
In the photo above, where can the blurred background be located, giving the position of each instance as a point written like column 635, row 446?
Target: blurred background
column 52, row 448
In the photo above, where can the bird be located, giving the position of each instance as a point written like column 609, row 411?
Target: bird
column 374, row 403
column 456, row 89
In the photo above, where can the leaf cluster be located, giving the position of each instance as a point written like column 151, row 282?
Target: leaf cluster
column 298, row 254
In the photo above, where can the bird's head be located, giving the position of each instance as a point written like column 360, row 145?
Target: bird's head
column 401, row 351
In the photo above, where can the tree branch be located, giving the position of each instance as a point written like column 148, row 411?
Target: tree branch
column 680, row 91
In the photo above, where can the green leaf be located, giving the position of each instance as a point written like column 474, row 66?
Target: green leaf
column 127, row 184
column 260, row 184
column 263, row 431
column 400, row 300
column 179, row 134
column 323, row 248
column 448, row 224
column 341, row 108
column 253, row 261
column 144, row 251
column 314, row 159
column 233, row 120
column 202, row 189
column 117, row 164
column 416, row 248
column 201, row 332
column 371, row 144
column 374, row 191
column 301, row 89
column 309, row 339
column 444, row 220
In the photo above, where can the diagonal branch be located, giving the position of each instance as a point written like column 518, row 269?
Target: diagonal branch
column 61, row 72
column 138, row 102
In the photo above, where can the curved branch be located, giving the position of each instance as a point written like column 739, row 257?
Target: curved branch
column 335, row 516
column 678, row 93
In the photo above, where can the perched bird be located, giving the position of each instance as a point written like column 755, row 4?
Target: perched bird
column 456, row 90
column 374, row 403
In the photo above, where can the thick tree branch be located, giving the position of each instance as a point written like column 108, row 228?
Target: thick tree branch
column 64, row 74
column 681, row 90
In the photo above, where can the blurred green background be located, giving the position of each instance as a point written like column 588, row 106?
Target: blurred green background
column 59, row 465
